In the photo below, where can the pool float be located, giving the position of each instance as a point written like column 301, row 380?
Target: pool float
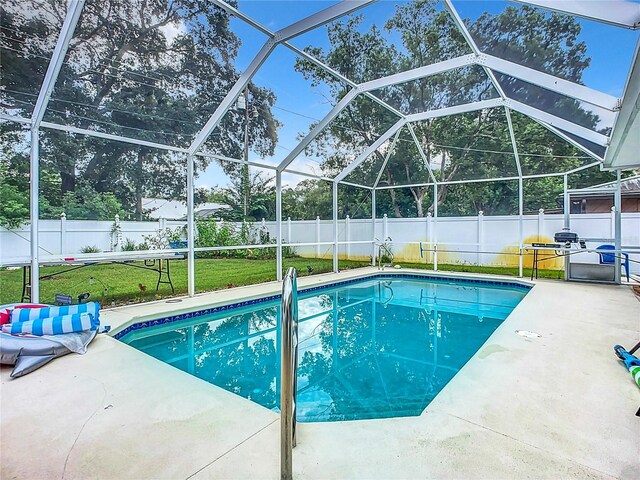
column 630, row 361
column 46, row 333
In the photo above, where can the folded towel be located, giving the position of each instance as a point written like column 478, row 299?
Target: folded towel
column 5, row 315
column 78, row 322
column 28, row 314
column 5, row 310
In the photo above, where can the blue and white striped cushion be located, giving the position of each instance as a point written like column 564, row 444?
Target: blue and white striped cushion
column 28, row 314
column 78, row 322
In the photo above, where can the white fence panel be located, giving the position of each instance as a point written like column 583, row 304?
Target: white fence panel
column 485, row 240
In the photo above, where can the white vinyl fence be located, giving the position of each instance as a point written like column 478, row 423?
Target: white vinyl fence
column 478, row 240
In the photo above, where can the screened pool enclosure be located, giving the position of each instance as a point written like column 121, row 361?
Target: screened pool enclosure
column 417, row 97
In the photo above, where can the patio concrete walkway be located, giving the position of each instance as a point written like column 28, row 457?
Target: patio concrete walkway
column 559, row 406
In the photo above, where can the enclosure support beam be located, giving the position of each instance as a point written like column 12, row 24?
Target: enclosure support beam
column 565, row 204
column 191, row 236
column 335, row 227
column 418, row 73
column 487, row 180
column 373, row 226
column 624, row 125
column 335, row 111
column 386, row 159
column 34, row 171
column 617, row 202
column 568, row 139
column 422, row 154
column 279, row 225
column 235, row 12
column 455, row 110
column 232, row 96
column 57, row 59
column 372, row 148
column 282, row 35
column 566, row 125
column 573, row 170
column 521, row 225
column 514, row 145
column 617, row 13
column 434, row 234
column 549, row 82
column 472, row 44
column 567, row 219
column 320, row 18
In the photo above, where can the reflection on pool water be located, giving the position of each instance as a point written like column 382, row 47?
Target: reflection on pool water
column 373, row 349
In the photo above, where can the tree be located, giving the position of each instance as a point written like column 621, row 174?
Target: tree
column 261, row 192
column 307, row 200
column 13, row 208
column 153, row 70
column 460, row 147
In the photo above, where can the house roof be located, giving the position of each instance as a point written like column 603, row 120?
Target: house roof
column 628, row 187
column 177, row 210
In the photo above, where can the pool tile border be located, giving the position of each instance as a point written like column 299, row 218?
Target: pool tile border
column 269, row 298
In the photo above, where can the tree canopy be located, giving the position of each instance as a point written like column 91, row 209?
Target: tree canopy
column 155, row 70
column 151, row 70
column 468, row 146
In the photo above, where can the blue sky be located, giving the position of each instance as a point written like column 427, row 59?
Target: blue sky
column 610, row 48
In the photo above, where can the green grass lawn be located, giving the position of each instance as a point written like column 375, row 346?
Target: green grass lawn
column 113, row 284
column 122, row 283
column 512, row 271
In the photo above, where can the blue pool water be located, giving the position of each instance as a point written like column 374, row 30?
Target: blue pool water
column 373, row 349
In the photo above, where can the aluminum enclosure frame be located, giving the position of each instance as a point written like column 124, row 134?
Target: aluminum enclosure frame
column 625, row 14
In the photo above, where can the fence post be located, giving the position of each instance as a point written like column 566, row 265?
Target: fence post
column 347, row 234
column 289, row 230
column 116, row 235
column 317, row 237
column 480, row 257
column 428, row 258
column 385, row 228
column 613, row 223
column 63, row 231
column 162, row 224
column 540, row 224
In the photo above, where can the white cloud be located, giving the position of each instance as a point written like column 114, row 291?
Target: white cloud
column 172, row 30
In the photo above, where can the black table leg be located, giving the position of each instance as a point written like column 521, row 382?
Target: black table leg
column 534, row 263
column 26, row 283
column 164, row 271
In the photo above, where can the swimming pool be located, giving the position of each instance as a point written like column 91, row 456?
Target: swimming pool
column 377, row 347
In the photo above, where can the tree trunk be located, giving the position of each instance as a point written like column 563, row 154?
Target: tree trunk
column 139, row 181
column 418, row 196
column 68, row 182
column 392, row 193
column 419, row 205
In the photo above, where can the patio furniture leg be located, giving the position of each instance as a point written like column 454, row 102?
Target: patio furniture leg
column 164, row 271
column 26, row 283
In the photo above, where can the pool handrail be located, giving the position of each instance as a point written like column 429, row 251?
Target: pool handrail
column 384, row 246
column 288, row 372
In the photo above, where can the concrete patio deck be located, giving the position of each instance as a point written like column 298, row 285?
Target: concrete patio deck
column 559, row 406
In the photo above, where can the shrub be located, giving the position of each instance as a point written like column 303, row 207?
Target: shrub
column 129, row 245
column 213, row 233
column 160, row 240
column 90, row 249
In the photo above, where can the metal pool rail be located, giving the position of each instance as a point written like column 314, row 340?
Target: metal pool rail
column 288, row 373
